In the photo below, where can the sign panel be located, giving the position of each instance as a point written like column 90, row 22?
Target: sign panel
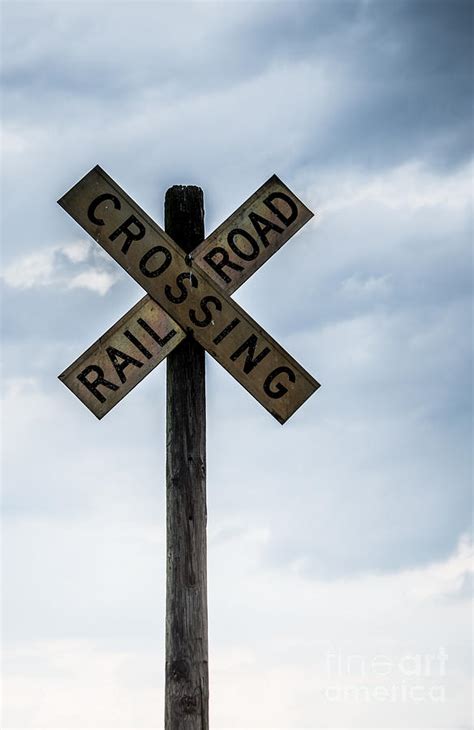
column 251, row 235
column 260, row 218
column 123, row 356
column 188, row 295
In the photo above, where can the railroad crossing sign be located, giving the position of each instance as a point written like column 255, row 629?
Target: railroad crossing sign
column 187, row 295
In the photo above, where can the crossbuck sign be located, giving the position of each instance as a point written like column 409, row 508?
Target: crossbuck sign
column 187, row 295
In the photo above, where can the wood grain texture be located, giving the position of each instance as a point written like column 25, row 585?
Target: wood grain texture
column 187, row 682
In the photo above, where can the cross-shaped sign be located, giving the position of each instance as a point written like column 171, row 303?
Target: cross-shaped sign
column 187, row 295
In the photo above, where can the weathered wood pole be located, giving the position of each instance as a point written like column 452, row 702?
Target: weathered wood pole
column 187, row 681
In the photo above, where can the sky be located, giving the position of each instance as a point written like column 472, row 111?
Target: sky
column 340, row 548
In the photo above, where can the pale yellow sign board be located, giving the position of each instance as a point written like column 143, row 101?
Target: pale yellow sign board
column 188, row 295
column 101, row 377
column 251, row 235
column 225, row 265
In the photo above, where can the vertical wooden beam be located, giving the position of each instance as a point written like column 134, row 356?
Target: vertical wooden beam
column 187, row 683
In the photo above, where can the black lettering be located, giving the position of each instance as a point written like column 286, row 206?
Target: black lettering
column 149, row 254
column 232, row 325
column 116, row 355
column 97, row 201
column 245, row 255
column 286, row 219
column 179, row 283
column 203, row 304
column 280, row 389
column 262, row 231
column 130, row 236
column 161, row 341
column 250, row 361
column 139, row 345
column 219, row 265
column 92, row 385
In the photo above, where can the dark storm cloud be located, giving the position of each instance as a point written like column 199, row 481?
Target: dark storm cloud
column 317, row 92
column 409, row 68
column 406, row 67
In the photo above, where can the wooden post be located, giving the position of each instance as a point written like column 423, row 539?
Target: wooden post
column 187, row 682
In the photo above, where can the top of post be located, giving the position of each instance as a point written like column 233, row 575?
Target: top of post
column 184, row 215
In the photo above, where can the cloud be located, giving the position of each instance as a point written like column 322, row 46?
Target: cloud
column 98, row 281
column 342, row 530
column 313, row 84
column 301, row 653
column 357, row 287
column 51, row 267
column 77, row 252
column 411, row 187
column 33, row 270
column 448, row 578
column 34, row 413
